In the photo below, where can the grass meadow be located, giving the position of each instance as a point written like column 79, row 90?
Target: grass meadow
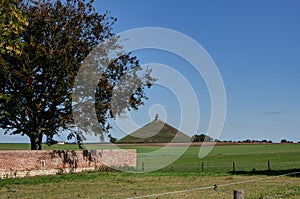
column 251, row 174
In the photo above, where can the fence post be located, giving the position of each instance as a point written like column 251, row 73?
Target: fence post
column 202, row 167
column 269, row 168
column 172, row 167
column 238, row 194
column 143, row 168
column 233, row 166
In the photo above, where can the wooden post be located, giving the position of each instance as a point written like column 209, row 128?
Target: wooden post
column 233, row 167
column 202, row 167
column 238, row 194
column 269, row 168
column 143, row 168
column 172, row 167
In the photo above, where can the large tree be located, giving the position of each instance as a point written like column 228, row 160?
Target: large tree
column 36, row 87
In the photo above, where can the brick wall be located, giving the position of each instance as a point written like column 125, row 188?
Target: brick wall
column 18, row 163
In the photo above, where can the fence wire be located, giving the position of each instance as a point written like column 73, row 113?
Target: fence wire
column 215, row 187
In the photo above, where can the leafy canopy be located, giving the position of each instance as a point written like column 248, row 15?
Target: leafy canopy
column 12, row 23
column 37, row 84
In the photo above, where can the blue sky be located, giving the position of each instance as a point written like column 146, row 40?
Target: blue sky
column 256, row 47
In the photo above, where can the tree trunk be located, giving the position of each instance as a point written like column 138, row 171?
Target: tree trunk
column 36, row 141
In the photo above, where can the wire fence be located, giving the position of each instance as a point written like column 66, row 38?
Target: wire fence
column 217, row 188
column 265, row 167
column 269, row 164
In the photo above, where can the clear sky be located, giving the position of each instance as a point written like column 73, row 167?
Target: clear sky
column 256, row 47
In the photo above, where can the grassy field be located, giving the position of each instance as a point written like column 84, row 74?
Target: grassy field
column 250, row 165
column 219, row 160
column 125, row 185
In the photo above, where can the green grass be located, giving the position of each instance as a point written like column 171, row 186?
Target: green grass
column 221, row 158
column 26, row 146
column 187, row 174
column 124, row 185
column 14, row 146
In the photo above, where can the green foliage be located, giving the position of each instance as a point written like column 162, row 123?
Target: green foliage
column 60, row 172
column 105, row 169
column 12, row 24
column 112, row 139
column 36, row 87
column 201, row 138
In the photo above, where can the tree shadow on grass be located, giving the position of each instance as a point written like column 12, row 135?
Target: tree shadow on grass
column 287, row 172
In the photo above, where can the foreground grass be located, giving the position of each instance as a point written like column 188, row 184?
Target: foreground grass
column 125, row 185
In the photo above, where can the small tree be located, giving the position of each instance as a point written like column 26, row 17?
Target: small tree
column 283, row 141
column 201, row 138
column 112, row 139
column 36, row 87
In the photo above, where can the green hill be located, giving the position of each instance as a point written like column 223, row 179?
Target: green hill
column 156, row 132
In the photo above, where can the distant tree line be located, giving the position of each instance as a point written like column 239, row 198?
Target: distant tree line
column 286, row 141
column 195, row 138
column 206, row 138
column 249, row 141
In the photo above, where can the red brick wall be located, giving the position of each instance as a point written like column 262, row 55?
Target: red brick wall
column 25, row 160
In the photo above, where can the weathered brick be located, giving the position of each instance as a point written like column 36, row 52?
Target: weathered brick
column 19, row 163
